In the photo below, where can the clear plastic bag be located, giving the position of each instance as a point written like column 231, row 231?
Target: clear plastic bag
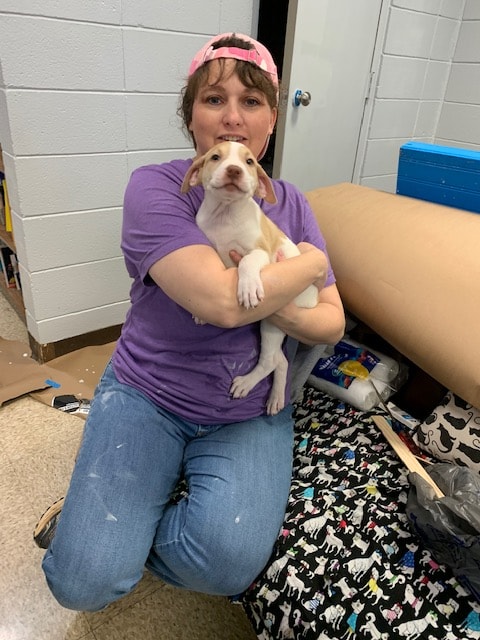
column 449, row 526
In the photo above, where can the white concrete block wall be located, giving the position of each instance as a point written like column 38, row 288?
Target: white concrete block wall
column 89, row 91
column 413, row 73
column 459, row 123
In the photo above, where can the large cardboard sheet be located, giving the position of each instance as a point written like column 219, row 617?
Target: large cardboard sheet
column 411, row 271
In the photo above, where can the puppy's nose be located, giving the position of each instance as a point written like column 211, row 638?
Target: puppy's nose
column 233, row 171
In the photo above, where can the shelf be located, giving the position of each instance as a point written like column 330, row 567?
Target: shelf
column 14, row 296
column 7, row 238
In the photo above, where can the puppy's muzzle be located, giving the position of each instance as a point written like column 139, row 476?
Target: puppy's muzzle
column 233, row 171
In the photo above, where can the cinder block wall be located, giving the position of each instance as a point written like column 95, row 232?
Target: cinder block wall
column 428, row 83
column 459, row 122
column 89, row 92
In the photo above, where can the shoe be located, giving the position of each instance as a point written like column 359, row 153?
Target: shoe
column 46, row 527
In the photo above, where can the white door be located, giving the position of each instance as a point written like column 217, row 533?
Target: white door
column 328, row 54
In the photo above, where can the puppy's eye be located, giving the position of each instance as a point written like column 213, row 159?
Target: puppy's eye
column 215, row 157
column 250, row 161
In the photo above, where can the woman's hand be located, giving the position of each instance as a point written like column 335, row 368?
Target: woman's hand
column 319, row 282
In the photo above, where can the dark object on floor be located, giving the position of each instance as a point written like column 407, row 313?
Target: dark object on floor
column 450, row 527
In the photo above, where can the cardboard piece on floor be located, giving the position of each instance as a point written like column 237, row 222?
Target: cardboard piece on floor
column 19, row 373
column 76, row 373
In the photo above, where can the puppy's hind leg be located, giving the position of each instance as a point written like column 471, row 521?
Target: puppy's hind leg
column 276, row 400
column 271, row 358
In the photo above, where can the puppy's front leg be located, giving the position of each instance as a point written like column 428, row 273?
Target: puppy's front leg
column 250, row 286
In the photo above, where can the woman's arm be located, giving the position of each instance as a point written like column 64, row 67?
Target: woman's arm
column 196, row 278
column 325, row 323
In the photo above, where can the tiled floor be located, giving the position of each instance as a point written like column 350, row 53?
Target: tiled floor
column 36, row 458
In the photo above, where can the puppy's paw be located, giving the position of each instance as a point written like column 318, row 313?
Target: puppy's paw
column 250, row 292
column 276, row 403
column 241, row 386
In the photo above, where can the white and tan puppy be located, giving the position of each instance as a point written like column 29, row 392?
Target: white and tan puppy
column 231, row 219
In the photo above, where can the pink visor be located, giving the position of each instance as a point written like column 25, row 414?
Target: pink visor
column 259, row 55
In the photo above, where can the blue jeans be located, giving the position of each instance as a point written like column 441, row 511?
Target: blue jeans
column 118, row 517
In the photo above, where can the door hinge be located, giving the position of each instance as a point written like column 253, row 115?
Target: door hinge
column 371, row 86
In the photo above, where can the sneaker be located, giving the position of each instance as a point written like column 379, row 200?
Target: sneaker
column 46, row 527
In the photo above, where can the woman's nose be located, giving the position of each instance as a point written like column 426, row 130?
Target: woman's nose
column 232, row 115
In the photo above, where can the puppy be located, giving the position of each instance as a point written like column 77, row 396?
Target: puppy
column 231, row 219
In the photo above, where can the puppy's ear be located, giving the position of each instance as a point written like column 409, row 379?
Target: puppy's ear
column 193, row 177
column 265, row 188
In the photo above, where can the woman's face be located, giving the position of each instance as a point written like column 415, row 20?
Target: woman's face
column 228, row 110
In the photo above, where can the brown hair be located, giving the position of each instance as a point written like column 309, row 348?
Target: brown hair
column 249, row 75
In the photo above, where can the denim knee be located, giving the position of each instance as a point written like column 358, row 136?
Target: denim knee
column 85, row 590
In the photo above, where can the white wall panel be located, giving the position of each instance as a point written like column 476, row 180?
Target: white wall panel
column 239, row 17
column 140, row 158
column 468, row 45
column 464, row 84
column 425, row 6
column 410, row 33
column 401, row 77
column 56, row 184
column 444, row 39
column 382, row 156
column 58, row 122
column 75, row 324
column 152, row 122
column 460, row 145
column 86, row 10
column 427, row 120
column 5, row 133
column 58, row 54
column 158, row 61
column 472, row 10
column 58, row 292
column 181, row 15
column 452, row 8
column 393, row 118
column 435, row 80
column 460, row 122
column 386, row 183
column 66, row 238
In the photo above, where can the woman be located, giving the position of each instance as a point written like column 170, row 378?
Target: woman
column 162, row 411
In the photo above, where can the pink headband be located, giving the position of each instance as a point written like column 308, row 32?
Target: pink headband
column 259, row 56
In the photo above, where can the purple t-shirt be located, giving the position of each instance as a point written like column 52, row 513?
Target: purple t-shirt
column 184, row 367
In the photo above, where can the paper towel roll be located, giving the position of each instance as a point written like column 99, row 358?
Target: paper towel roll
column 360, row 394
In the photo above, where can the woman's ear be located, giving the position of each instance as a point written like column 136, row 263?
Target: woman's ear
column 273, row 120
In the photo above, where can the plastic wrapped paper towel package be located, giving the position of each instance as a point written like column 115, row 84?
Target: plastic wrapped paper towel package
column 357, row 375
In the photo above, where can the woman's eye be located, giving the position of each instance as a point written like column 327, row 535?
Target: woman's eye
column 252, row 102
column 213, row 100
